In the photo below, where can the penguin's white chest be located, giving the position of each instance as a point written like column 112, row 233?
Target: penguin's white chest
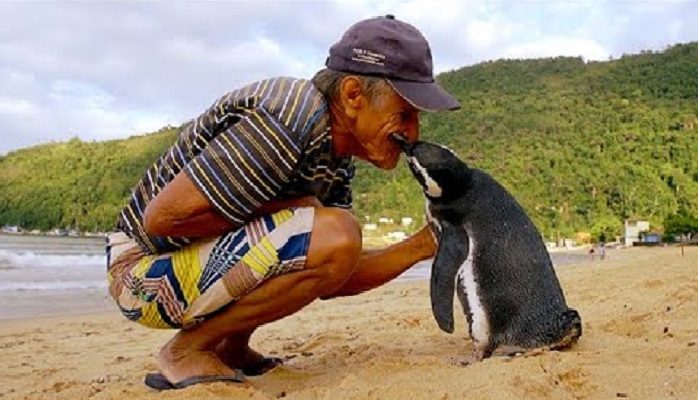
column 433, row 222
column 480, row 328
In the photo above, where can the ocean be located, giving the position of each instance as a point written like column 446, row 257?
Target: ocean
column 58, row 275
column 49, row 275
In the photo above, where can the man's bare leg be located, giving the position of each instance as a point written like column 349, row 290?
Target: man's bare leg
column 334, row 251
column 375, row 268
column 235, row 352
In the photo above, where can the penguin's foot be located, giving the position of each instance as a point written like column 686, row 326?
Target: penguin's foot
column 535, row 352
column 565, row 342
column 568, row 340
column 518, row 352
column 462, row 361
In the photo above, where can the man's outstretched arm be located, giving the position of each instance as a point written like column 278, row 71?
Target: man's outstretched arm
column 377, row 267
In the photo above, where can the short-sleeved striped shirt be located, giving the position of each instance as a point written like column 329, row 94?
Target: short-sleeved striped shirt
column 268, row 140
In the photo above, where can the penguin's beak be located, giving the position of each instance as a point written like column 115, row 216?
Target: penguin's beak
column 403, row 143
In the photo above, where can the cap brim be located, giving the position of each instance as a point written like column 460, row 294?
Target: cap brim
column 426, row 96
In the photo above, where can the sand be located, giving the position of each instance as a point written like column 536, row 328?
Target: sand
column 640, row 312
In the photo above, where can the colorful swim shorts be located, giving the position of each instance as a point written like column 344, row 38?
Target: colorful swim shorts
column 182, row 288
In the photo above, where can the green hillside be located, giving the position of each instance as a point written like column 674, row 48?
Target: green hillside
column 581, row 145
column 75, row 184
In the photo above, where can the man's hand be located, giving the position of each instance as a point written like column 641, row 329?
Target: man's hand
column 425, row 240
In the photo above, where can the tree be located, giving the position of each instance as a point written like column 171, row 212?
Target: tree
column 605, row 229
column 681, row 224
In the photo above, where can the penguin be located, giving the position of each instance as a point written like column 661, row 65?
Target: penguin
column 492, row 256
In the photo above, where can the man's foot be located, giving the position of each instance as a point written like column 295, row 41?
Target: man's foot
column 158, row 381
column 239, row 355
column 177, row 363
column 261, row 366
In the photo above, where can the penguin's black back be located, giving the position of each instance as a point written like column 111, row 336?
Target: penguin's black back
column 517, row 284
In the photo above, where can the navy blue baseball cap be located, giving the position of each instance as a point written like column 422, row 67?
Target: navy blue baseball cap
column 396, row 51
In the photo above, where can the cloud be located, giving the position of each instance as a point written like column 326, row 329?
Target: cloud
column 17, row 107
column 109, row 69
column 77, row 109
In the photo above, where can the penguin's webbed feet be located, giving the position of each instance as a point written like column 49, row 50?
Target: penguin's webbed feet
column 474, row 357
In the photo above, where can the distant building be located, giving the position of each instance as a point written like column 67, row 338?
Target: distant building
column 650, row 238
column 395, row 236
column 10, row 229
column 632, row 229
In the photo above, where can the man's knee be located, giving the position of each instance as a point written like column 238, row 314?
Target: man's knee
column 335, row 245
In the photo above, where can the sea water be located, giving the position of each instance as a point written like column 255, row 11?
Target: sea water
column 49, row 275
column 57, row 275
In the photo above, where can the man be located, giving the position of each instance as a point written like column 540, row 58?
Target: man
column 245, row 220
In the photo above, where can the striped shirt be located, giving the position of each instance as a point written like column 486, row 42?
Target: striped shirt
column 268, row 140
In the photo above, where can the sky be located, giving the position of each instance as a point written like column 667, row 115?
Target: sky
column 104, row 70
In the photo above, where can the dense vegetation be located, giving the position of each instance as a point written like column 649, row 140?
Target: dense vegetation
column 582, row 146
column 75, row 184
column 680, row 226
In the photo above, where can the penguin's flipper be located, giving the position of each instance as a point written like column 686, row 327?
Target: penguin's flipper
column 452, row 252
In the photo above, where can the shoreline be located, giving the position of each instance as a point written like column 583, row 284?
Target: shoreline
column 51, row 235
column 29, row 304
column 34, row 303
column 56, row 305
column 370, row 241
column 63, row 275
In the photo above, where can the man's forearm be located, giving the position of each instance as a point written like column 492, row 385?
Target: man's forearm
column 377, row 267
column 282, row 204
column 207, row 222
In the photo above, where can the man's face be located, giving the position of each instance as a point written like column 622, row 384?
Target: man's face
column 374, row 123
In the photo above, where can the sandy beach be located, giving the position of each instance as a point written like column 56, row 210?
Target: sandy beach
column 640, row 342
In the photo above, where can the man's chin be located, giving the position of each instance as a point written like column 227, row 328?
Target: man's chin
column 387, row 163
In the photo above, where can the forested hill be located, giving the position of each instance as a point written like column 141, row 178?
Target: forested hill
column 581, row 145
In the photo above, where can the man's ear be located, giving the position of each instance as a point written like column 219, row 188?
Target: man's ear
column 351, row 95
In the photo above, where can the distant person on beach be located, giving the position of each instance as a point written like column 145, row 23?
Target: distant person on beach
column 602, row 251
column 246, row 218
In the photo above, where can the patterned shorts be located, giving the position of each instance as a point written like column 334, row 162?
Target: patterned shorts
column 180, row 289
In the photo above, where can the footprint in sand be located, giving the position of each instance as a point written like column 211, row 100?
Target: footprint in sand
column 653, row 283
column 684, row 294
column 632, row 326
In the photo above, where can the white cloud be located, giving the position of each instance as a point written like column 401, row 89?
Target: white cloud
column 109, row 69
column 482, row 34
column 17, row 106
